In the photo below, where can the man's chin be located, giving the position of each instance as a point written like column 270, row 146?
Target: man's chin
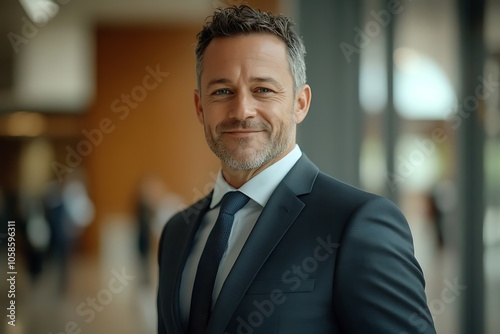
column 243, row 160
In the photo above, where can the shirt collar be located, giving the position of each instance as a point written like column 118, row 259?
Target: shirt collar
column 261, row 186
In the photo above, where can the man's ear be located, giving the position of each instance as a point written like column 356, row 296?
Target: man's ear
column 302, row 103
column 198, row 107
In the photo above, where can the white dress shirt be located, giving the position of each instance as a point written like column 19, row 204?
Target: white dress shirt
column 259, row 189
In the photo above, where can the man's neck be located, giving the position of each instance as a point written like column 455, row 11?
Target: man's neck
column 238, row 177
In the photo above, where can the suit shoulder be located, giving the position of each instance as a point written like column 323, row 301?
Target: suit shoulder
column 340, row 192
column 353, row 199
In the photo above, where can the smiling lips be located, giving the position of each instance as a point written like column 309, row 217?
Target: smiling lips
column 241, row 132
column 241, row 128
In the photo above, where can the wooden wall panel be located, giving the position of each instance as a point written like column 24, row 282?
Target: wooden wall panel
column 155, row 131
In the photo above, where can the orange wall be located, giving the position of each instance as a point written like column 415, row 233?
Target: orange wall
column 161, row 134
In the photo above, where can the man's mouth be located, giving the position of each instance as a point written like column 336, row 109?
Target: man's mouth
column 242, row 132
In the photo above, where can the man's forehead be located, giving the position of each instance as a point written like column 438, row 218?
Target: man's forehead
column 248, row 41
column 256, row 50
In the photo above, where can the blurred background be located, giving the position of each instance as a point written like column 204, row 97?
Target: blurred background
column 100, row 145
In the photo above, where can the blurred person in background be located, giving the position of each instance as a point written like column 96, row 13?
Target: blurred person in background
column 69, row 210
column 34, row 173
column 278, row 246
column 155, row 205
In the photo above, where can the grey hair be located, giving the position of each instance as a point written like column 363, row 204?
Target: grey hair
column 244, row 20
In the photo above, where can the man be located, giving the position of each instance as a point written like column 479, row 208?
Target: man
column 289, row 249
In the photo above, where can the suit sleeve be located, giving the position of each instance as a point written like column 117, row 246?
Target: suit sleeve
column 379, row 285
column 161, row 323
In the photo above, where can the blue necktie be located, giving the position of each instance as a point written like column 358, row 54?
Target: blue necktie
column 201, row 300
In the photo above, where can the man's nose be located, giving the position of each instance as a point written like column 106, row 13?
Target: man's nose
column 244, row 106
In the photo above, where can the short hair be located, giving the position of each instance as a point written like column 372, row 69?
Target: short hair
column 244, row 20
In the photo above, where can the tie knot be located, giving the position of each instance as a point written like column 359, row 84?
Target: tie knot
column 233, row 201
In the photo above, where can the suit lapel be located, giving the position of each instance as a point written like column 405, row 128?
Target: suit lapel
column 278, row 215
column 180, row 248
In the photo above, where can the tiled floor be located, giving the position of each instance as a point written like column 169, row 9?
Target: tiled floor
column 128, row 307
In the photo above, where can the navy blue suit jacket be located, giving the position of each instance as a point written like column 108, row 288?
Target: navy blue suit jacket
column 323, row 257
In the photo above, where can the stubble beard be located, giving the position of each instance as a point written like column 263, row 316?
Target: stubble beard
column 250, row 153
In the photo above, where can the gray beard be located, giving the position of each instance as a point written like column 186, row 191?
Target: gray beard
column 264, row 153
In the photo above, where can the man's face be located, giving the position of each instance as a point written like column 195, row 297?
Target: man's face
column 246, row 101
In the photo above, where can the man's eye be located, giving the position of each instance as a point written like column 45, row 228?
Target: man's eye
column 221, row 92
column 263, row 90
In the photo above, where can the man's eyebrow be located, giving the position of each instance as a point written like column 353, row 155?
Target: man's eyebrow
column 225, row 81
column 270, row 80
